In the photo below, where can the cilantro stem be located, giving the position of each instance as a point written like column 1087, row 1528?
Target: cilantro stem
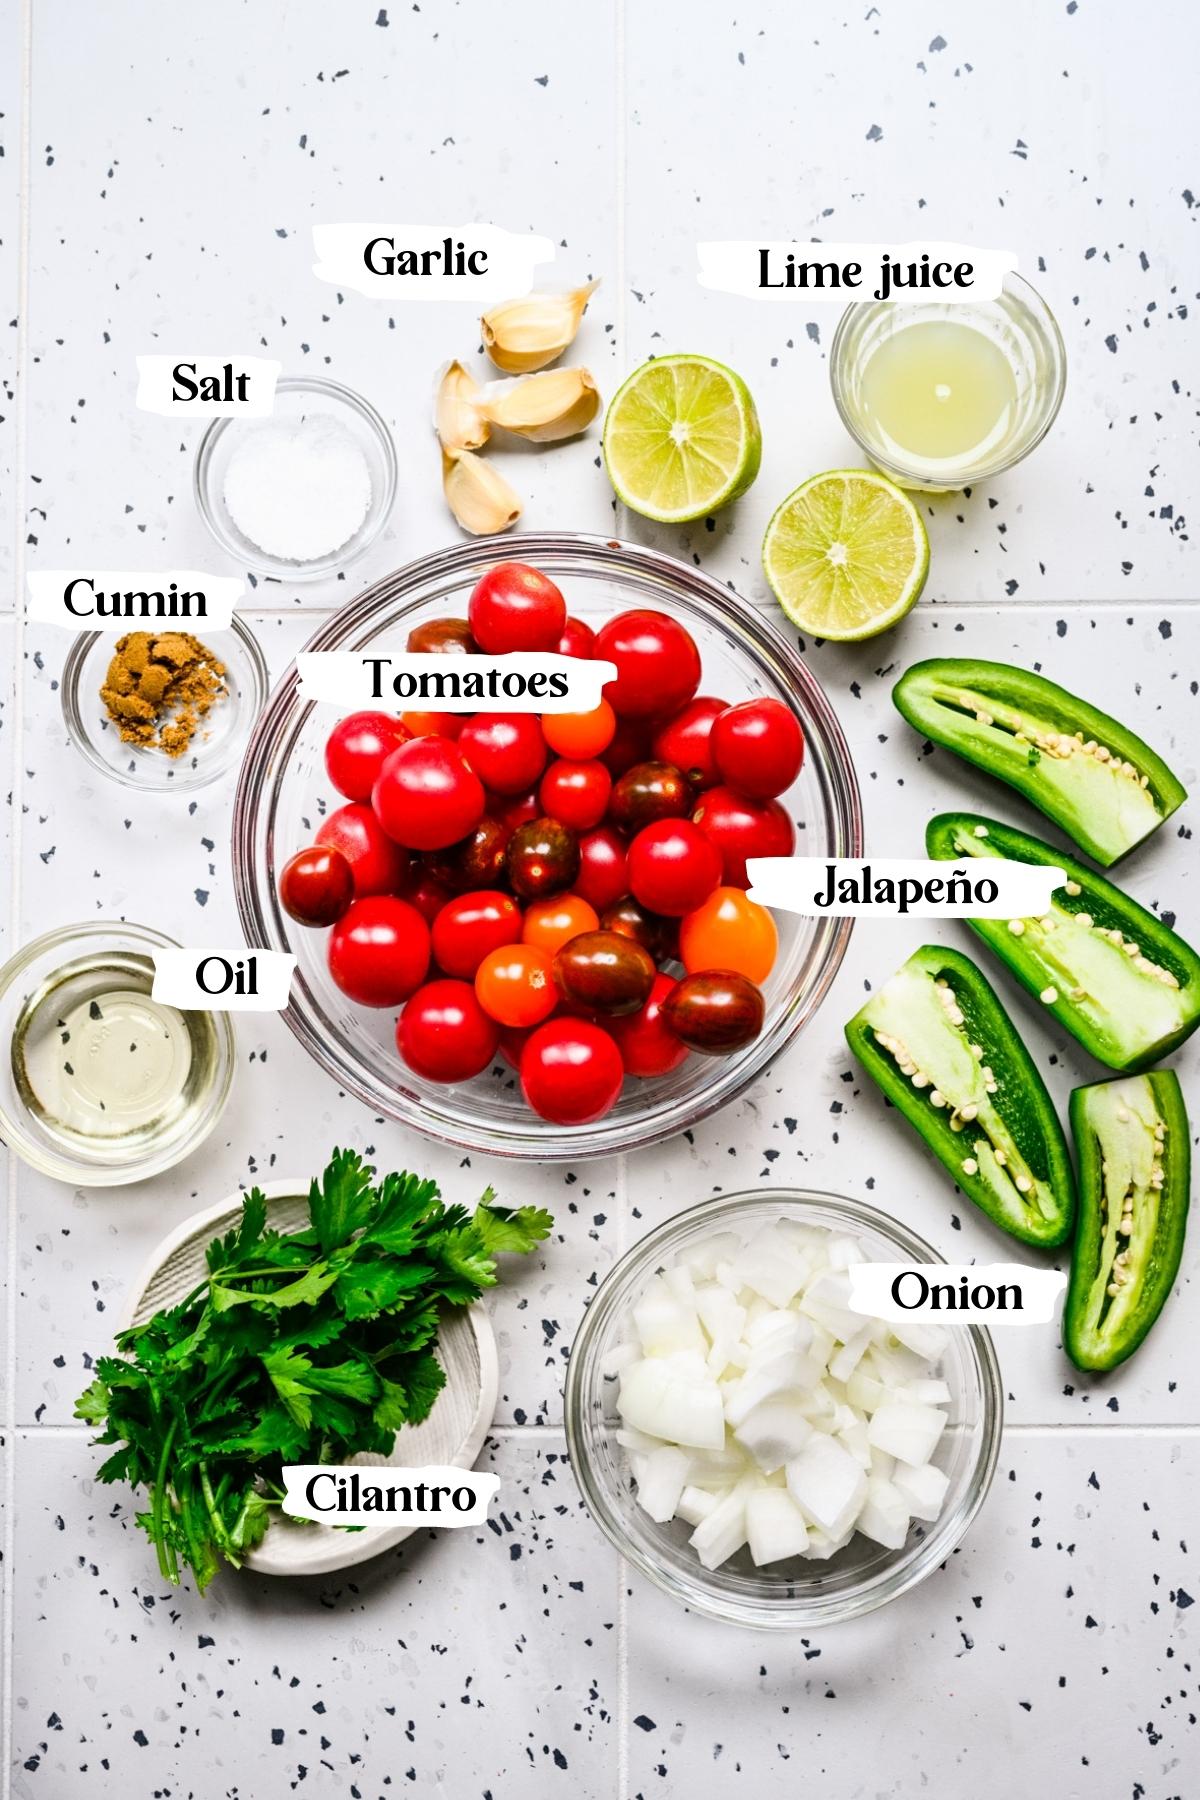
column 167, row 1563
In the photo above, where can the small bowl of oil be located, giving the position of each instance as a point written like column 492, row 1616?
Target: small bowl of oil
column 101, row 1084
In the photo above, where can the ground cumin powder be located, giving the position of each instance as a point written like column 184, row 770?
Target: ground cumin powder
column 159, row 686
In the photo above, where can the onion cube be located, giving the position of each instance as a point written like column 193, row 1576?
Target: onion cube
column 884, row 1515
column 661, row 1482
column 764, row 1380
column 905, row 1431
column 773, row 1432
column 772, row 1267
column 923, row 1490
column 664, row 1324
column 827, row 1484
column 679, row 1408
column 775, row 1526
column 723, row 1532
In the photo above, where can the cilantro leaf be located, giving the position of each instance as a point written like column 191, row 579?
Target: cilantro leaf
column 366, row 1289
column 341, row 1203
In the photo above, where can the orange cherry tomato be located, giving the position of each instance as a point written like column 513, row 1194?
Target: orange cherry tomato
column 729, row 931
column 553, row 922
column 579, row 736
column 434, row 724
column 515, row 985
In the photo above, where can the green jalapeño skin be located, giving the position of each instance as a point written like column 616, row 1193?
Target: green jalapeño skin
column 1095, row 778
column 1114, row 976
column 938, row 1042
column 1134, row 1185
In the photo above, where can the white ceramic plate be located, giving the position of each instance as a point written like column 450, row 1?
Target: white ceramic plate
column 453, row 1433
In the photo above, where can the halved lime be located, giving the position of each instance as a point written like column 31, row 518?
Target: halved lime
column 681, row 438
column 846, row 554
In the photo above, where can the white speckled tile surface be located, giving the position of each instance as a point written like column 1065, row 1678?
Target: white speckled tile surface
column 176, row 163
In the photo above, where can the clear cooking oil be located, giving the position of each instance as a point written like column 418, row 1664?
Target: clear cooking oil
column 102, row 1066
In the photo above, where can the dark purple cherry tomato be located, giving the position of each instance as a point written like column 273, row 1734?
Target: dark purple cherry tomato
column 316, row 886
column 543, row 858
column 357, row 748
column 442, row 637
column 649, row 791
column 715, row 1012
column 479, row 861
column 647, row 1046
column 444, row 1034
column 631, row 920
column 686, row 740
column 604, row 972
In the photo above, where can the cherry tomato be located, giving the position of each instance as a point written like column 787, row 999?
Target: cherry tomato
column 317, row 885
column 379, row 951
column 433, row 724
column 758, row 747
column 426, row 893
column 571, row 1072
column 554, row 922
column 740, row 828
column 714, row 1012
column 647, row 1046
column 686, row 740
column 513, row 1039
column 673, row 867
column 479, row 861
column 444, row 1034
column 470, row 926
column 658, row 664
column 649, row 791
column 580, row 735
column 426, row 796
column 442, row 637
column 577, row 639
column 542, row 858
column 516, row 607
column 729, row 931
column 603, row 876
column 515, row 985
column 357, row 748
column 630, row 745
column 576, row 793
column 379, row 865
column 506, row 750
column 656, row 935
column 521, row 811
column 604, row 972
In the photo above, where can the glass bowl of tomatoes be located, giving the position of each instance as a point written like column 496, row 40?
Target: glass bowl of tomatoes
column 528, row 935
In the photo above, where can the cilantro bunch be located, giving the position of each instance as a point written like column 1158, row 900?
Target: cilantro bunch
column 305, row 1346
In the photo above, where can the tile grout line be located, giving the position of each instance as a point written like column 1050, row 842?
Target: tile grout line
column 527, row 1434
column 7, row 1635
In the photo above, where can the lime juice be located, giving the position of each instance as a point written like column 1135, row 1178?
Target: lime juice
column 939, row 391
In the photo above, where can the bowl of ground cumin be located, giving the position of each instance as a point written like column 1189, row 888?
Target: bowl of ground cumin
column 163, row 709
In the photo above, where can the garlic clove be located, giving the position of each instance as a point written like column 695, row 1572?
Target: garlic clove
column 526, row 334
column 545, row 408
column 457, row 416
column 481, row 501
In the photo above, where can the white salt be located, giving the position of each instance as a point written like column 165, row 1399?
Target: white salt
column 298, row 488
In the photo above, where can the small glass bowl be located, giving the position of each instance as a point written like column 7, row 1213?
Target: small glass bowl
column 297, row 396
column 795, row 1595
column 114, row 1162
column 218, row 741
column 1022, row 326
column 284, row 787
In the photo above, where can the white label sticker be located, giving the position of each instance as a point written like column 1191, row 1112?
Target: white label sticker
column 888, row 886
column 524, row 681
column 223, row 980
column 120, row 600
column 956, row 1293
column 908, row 273
column 476, row 263
column 208, row 387
column 371, row 1494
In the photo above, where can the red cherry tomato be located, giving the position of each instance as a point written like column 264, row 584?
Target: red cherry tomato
column 686, row 740
column 515, row 813
column 316, row 886
column 740, row 828
column 470, row 926
column 575, row 793
column 658, row 664
column 577, row 639
column 603, row 876
column 506, row 750
column 758, row 747
column 630, row 745
column 379, row 865
column 513, row 1039
column 444, row 1034
column 571, row 1072
column 515, row 985
column 580, row 735
column 379, row 951
column 516, row 607
column 673, row 867
column 357, row 748
column 729, row 931
column 426, row 796
column 426, row 892
column 433, row 724
column 646, row 1046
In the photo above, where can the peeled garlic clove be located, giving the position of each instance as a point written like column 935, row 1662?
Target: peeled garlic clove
column 457, row 416
column 544, row 408
column 481, row 500
column 522, row 335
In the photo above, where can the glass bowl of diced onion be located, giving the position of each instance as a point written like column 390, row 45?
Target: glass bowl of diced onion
column 862, row 1449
